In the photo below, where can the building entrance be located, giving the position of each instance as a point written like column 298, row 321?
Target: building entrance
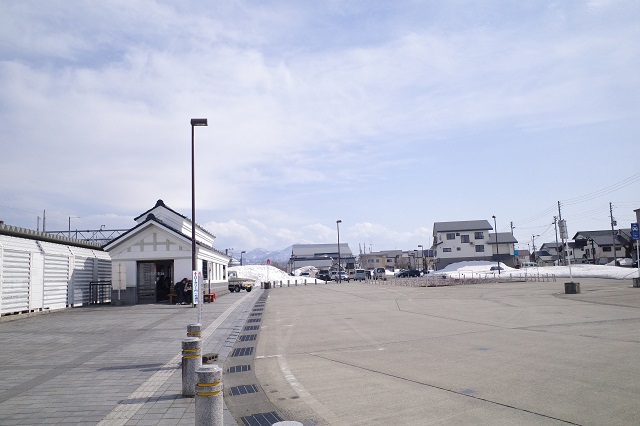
column 154, row 281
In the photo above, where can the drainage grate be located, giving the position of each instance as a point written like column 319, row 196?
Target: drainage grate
column 248, row 337
column 243, row 390
column 254, row 320
column 242, row 351
column 257, row 314
column 239, row 369
column 251, row 327
column 262, row 419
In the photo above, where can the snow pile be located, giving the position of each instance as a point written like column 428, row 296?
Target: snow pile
column 577, row 271
column 263, row 273
column 311, row 270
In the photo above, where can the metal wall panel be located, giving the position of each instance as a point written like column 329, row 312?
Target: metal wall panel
column 56, row 281
column 16, row 266
column 81, row 277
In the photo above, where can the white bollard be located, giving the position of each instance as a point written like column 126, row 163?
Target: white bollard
column 191, row 360
column 209, row 397
column 194, row 330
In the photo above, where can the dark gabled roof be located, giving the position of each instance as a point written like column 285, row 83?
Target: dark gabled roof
column 553, row 245
column 545, row 254
column 152, row 218
column 160, row 203
column 503, row 238
column 464, row 225
column 605, row 238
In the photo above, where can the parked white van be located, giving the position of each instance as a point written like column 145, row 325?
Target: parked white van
column 380, row 274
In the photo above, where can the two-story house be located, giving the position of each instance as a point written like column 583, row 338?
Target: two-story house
column 597, row 246
column 461, row 241
column 471, row 240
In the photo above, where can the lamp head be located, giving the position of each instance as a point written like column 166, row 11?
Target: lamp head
column 199, row 122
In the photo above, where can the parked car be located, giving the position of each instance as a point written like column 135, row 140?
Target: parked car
column 496, row 268
column 408, row 273
column 360, row 274
column 323, row 274
column 529, row 264
column 379, row 274
column 343, row 276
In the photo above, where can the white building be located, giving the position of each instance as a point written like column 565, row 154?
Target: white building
column 156, row 253
column 471, row 240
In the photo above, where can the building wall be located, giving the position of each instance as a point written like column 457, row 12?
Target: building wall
column 456, row 249
column 37, row 275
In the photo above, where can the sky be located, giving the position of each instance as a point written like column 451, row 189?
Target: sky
column 388, row 116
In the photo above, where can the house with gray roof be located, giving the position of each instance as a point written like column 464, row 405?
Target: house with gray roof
column 597, row 246
column 470, row 240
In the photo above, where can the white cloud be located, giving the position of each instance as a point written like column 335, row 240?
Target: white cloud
column 315, row 111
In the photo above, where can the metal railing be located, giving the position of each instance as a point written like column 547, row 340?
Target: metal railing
column 99, row 292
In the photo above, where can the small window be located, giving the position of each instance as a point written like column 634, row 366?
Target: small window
column 479, row 248
column 451, row 236
column 478, row 236
column 464, row 238
column 205, row 270
column 606, row 248
column 458, row 249
column 446, row 250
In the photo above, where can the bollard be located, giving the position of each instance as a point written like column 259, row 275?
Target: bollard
column 194, row 330
column 209, row 397
column 191, row 360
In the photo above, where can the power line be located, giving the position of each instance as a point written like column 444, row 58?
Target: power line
column 604, row 191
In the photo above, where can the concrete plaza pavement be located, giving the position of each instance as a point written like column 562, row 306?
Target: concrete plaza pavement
column 109, row 365
column 492, row 353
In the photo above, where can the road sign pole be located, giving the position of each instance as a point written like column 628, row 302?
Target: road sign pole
column 635, row 235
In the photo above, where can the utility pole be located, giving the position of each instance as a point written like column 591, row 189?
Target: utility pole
column 560, row 219
column 512, row 228
column 555, row 223
column 613, row 235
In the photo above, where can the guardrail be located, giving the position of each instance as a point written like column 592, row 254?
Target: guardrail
column 99, row 292
column 457, row 278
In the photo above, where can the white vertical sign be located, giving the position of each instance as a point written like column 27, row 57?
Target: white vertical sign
column 195, row 288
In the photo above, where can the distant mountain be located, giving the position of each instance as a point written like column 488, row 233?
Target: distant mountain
column 259, row 256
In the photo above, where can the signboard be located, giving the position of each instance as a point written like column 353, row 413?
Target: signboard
column 563, row 229
column 635, row 232
column 195, row 287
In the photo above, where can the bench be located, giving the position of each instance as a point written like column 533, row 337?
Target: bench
column 172, row 295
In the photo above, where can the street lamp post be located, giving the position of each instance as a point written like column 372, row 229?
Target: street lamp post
column 338, row 222
column 495, row 226
column 241, row 253
column 194, row 267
